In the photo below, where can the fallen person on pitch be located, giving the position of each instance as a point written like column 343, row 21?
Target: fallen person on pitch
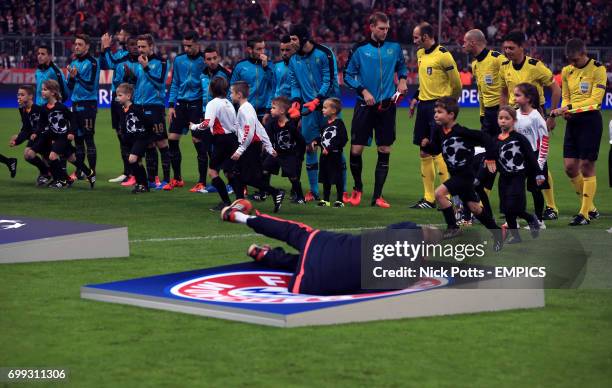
column 327, row 263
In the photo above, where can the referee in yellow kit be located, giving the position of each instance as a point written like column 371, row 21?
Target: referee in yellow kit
column 485, row 67
column 522, row 68
column 438, row 77
column 583, row 90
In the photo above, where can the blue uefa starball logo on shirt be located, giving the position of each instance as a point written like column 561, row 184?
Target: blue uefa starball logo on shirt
column 270, row 287
column 429, row 70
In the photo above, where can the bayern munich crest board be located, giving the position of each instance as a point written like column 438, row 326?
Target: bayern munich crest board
column 250, row 293
column 25, row 239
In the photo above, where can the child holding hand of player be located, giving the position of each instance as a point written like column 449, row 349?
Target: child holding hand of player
column 54, row 124
column 531, row 124
column 515, row 162
column 220, row 120
column 288, row 142
column 332, row 141
column 252, row 139
column 457, row 144
column 30, row 114
column 135, row 137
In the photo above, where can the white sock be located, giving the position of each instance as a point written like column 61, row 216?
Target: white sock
column 241, row 218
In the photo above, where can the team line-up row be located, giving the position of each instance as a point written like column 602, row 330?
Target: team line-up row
column 296, row 99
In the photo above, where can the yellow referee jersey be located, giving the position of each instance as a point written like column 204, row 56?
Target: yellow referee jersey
column 531, row 71
column 583, row 86
column 485, row 68
column 438, row 74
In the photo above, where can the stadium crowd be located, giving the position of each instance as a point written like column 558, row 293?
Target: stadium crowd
column 548, row 22
column 343, row 22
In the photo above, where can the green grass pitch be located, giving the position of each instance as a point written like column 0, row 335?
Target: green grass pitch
column 44, row 323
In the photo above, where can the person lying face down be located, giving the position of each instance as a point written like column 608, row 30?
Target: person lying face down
column 327, row 263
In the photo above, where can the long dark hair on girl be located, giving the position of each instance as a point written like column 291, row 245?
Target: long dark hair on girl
column 532, row 95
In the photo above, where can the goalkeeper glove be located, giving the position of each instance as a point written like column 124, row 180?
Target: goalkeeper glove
column 294, row 111
column 312, row 105
column 397, row 98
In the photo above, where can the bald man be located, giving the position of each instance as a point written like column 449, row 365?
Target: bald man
column 485, row 67
column 438, row 77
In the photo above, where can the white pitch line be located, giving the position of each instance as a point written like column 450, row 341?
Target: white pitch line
column 224, row 236
column 211, row 237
